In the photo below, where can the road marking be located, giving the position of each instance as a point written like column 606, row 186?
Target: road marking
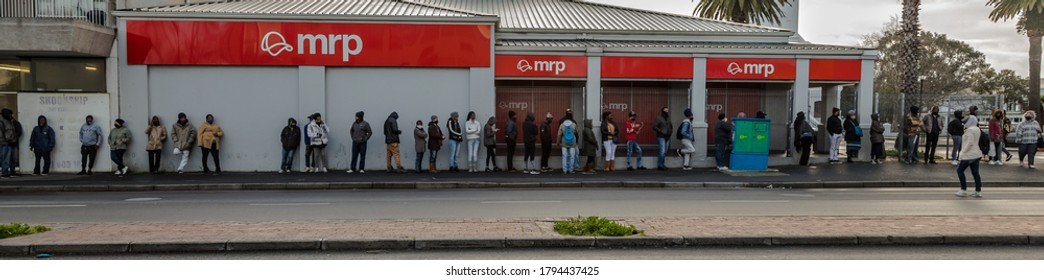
column 42, row 206
column 139, row 199
column 798, row 195
column 288, row 204
column 523, row 201
column 750, row 201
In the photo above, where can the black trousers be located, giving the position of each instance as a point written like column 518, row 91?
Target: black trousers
column 806, row 150
column 88, row 154
column 545, row 154
column 46, row 157
column 217, row 160
column 929, row 147
column 154, row 160
column 530, row 152
column 491, row 156
column 510, row 153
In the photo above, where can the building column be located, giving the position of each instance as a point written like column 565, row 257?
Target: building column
column 865, row 92
column 831, row 99
column 593, row 92
column 311, row 98
column 698, row 103
column 799, row 101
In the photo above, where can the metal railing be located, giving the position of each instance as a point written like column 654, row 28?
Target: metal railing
column 94, row 11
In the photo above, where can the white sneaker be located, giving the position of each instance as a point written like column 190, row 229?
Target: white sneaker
column 961, row 193
column 350, row 171
column 1031, row 167
column 956, row 163
column 1000, row 163
column 976, row 195
column 534, row 172
column 117, row 172
column 308, row 170
column 325, row 170
column 280, row 171
column 992, row 163
column 360, row 171
column 125, row 169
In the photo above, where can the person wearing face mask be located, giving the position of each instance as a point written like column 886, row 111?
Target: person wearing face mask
column 435, row 138
column 836, row 131
column 290, row 137
column 633, row 129
column 455, row 138
column 853, row 135
column 420, row 139
column 489, row 139
column 156, row 134
column 210, row 143
column 90, row 139
column 610, row 137
column 8, row 140
column 932, row 126
column 319, row 134
column 956, row 129
column 545, row 143
column 118, row 139
column 42, row 142
column 184, row 136
column 663, row 128
column 877, row 139
column 1028, row 133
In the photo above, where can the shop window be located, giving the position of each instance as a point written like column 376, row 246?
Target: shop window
column 11, row 74
column 646, row 99
column 749, row 98
column 538, row 97
column 66, row 75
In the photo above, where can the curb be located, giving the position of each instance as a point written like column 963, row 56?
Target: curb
column 500, row 243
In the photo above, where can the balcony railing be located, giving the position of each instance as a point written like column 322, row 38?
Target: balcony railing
column 93, row 11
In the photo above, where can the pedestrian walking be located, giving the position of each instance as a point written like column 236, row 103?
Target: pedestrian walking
column 956, row 129
column 308, row 144
column 853, row 136
column 8, row 135
column 41, row 143
column 805, row 136
column 546, row 143
column 633, row 129
column 420, row 142
column 567, row 139
column 473, row 129
column 589, row 148
column 391, row 141
column 184, row 136
column 489, row 139
column 932, row 128
column 210, row 143
column 722, row 140
column 663, row 128
column 455, row 138
column 90, row 140
column 913, row 126
column 836, row 130
column 510, row 139
column 610, row 137
column 876, row 139
column 157, row 135
column 319, row 134
column 1028, row 135
column 997, row 136
column 687, row 137
column 290, row 137
column 435, row 138
column 971, row 154
column 119, row 137
column 360, row 134
column 529, row 136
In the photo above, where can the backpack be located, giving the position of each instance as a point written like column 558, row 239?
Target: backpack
column 984, row 142
column 569, row 138
column 679, row 134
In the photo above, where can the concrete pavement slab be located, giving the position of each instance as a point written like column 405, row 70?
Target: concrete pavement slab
column 551, row 242
column 367, row 244
column 178, row 247
column 695, row 241
column 986, row 240
column 460, row 243
column 639, row 241
column 275, row 245
column 815, row 240
column 101, row 248
column 901, row 240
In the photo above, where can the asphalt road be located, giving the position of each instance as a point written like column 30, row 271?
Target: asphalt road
column 502, row 203
column 725, row 253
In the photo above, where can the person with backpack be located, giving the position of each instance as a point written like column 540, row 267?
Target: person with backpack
column 876, row 139
column 489, row 139
column 971, row 154
column 853, row 135
column 1027, row 135
column 663, row 128
column 567, row 138
column 687, row 137
column 956, row 129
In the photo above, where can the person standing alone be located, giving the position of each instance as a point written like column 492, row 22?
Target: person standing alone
column 90, row 139
column 971, row 154
column 210, row 143
column 42, row 142
column 360, row 133
column 119, row 137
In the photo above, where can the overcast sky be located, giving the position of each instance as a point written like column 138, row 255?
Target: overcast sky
column 845, row 21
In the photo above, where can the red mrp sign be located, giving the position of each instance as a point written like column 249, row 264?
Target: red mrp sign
column 751, row 69
column 540, row 66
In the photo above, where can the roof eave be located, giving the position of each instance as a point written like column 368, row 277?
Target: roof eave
column 267, row 17
column 644, row 32
column 754, row 51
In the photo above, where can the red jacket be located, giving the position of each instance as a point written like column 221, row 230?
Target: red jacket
column 632, row 130
column 996, row 135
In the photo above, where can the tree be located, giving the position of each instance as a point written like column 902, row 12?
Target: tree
column 910, row 56
column 742, row 11
column 1031, row 23
column 1007, row 83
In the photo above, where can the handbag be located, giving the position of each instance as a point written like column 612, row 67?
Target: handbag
column 1040, row 142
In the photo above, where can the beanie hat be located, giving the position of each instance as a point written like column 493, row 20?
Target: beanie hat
column 511, row 114
column 359, row 114
column 119, row 121
column 434, row 117
column 836, row 110
column 632, row 113
column 688, row 113
column 721, row 116
column 182, row 115
column 851, row 112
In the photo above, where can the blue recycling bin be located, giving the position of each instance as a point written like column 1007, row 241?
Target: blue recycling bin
column 750, row 146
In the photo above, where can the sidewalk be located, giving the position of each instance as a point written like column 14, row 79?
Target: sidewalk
column 830, row 176
column 333, row 235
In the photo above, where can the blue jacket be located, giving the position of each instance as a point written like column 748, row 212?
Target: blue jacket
column 91, row 135
column 42, row 139
column 686, row 130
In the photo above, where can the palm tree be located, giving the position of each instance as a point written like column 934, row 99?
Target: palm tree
column 910, row 57
column 1031, row 23
column 742, row 11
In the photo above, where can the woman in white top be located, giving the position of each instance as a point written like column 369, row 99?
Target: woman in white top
column 320, row 136
column 473, row 131
column 970, row 156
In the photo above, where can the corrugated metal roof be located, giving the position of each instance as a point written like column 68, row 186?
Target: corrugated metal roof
column 574, row 15
column 316, row 7
column 582, row 44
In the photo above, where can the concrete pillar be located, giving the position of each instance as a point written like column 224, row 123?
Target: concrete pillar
column 865, row 104
column 799, row 100
column 831, row 99
column 129, row 98
column 311, row 96
column 593, row 92
column 698, row 99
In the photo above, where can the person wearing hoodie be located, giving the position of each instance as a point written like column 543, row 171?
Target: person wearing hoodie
column 319, row 134
column 997, row 137
column 489, row 139
column 308, row 144
column 360, row 133
column 7, row 142
column 511, row 139
column 455, row 138
column 290, row 137
column 589, row 148
column 1027, row 134
column 971, row 154
column 184, row 136
column 836, row 130
column 529, row 136
column 210, row 143
column 633, row 129
column 687, row 137
column 391, row 140
column 546, row 142
column 420, row 140
column 610, row 137
column 119, row 137
column 805, row 136
column 663, row 128
column 876, row 139
column 956, row 130
column 568, row 138
column 157, row 135
column 41, row 143
column 853, row 135
column 90, row 139
column 474, row 132
column 435, row 138
column 722, row 139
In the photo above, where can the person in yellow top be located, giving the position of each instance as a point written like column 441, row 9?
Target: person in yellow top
column 210, row 142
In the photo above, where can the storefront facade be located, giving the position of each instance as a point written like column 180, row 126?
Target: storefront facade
column 254, row 68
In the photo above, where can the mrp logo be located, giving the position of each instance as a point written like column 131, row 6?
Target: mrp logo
column 541, row 66
column 275, row 44
column 751, row 69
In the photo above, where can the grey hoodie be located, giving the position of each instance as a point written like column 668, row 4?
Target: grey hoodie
column 489, row 134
